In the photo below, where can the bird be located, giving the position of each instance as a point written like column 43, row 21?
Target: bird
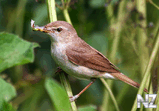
column 79, row 59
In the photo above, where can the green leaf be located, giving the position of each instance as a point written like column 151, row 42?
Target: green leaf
column 58, row 95
column 88, row 108
column 15, row 51
column 7, row 92
column 7, row 107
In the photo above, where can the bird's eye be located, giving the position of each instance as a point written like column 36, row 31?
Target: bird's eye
column 59, row 29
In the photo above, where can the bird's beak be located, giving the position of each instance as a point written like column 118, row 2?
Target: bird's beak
column 42, row 29
column 38, row 28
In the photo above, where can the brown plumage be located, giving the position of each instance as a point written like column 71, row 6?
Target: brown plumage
column 67, row 44
column 89, row 57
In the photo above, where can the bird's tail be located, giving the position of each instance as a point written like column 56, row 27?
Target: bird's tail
column 127, row 80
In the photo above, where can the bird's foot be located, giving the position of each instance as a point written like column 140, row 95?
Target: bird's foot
column 73, row 98
column 58, row 70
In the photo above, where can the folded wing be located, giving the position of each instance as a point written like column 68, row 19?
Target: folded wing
column 84, row 55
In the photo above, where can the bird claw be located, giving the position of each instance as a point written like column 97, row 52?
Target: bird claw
column 73, row 98
column 58, row 70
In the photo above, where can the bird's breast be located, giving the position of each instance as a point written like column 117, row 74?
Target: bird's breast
column 58, row 52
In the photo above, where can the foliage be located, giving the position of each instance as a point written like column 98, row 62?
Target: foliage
column 123, row 30
column 14, row 51
column 58, row 95
column 7, row 92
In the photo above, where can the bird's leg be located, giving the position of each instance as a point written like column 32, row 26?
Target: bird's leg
column 58, row 70
column 73, row 98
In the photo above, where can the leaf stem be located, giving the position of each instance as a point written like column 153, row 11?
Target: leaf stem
column 52, row 10
column 157, row 100
column 142, row 37
column 64, row 80
column 115, row 43
column 66, row 14
column 148, row 69
column 154, row 4
column 66, row 84
column 111, row 94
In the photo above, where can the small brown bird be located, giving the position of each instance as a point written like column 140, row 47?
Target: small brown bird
column 77, row 58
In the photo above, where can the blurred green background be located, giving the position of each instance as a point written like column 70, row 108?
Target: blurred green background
column 114, row 27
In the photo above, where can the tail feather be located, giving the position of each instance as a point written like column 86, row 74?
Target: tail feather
column 127, row 80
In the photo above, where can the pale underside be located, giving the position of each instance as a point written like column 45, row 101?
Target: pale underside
column 82, row 61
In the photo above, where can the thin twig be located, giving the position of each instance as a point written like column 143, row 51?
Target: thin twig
column 64, row 80
column 115, row 43
column 66, row 84
column 67, row 17
column 154, row 4
column 148, row 69
column 59, row 6
column 157, row 100
column 63, row 4
column 111, row 94
column 67, row 4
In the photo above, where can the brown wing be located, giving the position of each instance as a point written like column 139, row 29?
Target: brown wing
column 85, row 55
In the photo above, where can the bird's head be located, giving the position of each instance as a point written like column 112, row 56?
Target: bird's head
column 60, row 31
